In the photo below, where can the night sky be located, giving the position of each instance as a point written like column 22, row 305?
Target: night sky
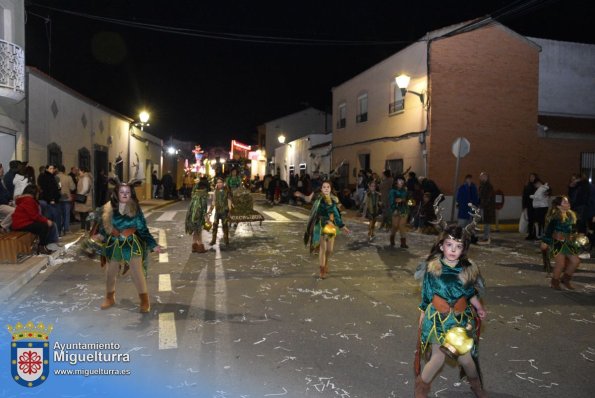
column 210, row 71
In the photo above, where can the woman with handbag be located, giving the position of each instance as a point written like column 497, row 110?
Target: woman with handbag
column 83, row 198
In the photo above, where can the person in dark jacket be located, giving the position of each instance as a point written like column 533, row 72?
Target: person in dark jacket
column 14, row 166
column 27, row 217
column 529, row 190
column 467, row 193
column 578, row 193
column 487, row 204
column 49, row 196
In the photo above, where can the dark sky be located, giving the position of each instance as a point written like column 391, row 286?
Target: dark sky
column 209, row 90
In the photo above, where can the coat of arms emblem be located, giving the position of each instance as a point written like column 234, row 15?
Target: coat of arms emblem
column 30, row 353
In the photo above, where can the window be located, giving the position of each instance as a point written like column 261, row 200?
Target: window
column 395, row 166
column 397, row 104
column 362, row 108
column 364, row 161
column 342, row 120
column 84, row 158
column 54, row 154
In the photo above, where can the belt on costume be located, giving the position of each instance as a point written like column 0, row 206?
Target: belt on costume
column 442, row 305
column 125, row 232
column 560, row 236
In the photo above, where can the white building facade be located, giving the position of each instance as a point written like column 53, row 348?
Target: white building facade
column 291, row 127
column 304, row 156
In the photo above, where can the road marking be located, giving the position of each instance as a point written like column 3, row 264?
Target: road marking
column 167, row 215
column 301, row 216
column 163, row 257
column 167, row 331
column 164, row 282
column 276, row 216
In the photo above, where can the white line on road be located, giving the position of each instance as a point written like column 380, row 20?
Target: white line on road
column 163, row 257
column 167, row 215
column 164, row 282
column 301, row 216
column 167, row 331
column 276, row 216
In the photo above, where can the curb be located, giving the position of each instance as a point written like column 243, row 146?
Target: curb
column 18, row 275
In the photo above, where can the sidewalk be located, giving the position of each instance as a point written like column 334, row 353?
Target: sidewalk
column 15, row 276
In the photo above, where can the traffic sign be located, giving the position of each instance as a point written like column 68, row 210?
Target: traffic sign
column 461, row 147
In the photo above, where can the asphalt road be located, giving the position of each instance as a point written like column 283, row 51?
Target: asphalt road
column 253, row 320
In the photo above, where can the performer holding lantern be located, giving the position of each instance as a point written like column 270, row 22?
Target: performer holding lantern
column 451, row 314
column 322, row 225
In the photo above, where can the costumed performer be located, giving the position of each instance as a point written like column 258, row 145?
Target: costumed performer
column 560, row 240
column 449, row 304
column 221, row 204
column 196, row 218
column 397, row 197
column 127, row 241
column 372, row 207
column 322, row 225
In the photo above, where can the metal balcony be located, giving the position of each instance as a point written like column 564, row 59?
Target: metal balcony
column 341, row 123
column 362, row 117
column 12, row 71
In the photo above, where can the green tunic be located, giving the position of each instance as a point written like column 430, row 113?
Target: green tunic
column 449, row 287
column 561, row 229
column 121, row 248
column 197, row 210
column 401, row 208
column 319, row 216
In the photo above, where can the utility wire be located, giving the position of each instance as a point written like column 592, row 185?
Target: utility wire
column 241, row 37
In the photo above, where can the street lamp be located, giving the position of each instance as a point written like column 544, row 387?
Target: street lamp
column 281, row 139
column 144, row 118
column 403, row 82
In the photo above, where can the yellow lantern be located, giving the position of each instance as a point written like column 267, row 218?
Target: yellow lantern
column 207, row 225
column 456, row 342
column 330, row 230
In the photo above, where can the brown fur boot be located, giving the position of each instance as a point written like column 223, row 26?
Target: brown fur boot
column 110, row 299
column 200, row 248
column 566, row 281
column 556, row 284
column 421, row 389
column 404, row 243
column 392, row 239
column 145, row 306
column 195, row 247
column 322, row 273
column 477, row 388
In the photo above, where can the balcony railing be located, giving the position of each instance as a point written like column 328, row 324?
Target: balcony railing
column 396, row 107
column 362, row 117
column 341, row 123
column 12, row 71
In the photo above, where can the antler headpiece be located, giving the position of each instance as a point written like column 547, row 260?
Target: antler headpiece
column 441, row 225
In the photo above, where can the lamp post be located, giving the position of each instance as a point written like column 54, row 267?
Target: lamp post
column 281, row 139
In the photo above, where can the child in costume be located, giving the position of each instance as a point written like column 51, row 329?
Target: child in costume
column 221, row 204
column 372, row 207
column 322, row 225
column 233, row 181
column 123, row 229
column 397, row 197
column 196, row 215
column 449, row 299
column 560, row 240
